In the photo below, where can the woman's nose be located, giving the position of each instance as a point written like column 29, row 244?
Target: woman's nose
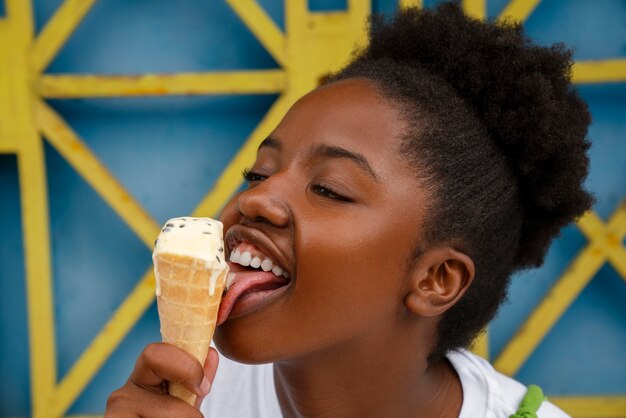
column 262, row 203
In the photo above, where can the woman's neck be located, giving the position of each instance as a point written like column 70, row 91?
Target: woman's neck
column 367, row 378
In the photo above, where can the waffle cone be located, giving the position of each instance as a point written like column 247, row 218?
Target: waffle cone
column 187, row 311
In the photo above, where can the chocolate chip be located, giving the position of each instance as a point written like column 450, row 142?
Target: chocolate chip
column 155, row 242
column 166, row 229
column 169, row 224
column 218, row 259
column 221, row 249
column 181, row 225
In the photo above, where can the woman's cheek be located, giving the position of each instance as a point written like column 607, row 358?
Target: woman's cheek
column 230, row 214
column 345, row 273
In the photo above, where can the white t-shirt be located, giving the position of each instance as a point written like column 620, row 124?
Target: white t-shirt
column 243, row 391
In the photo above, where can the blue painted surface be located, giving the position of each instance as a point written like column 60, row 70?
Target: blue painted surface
column 180, row 145
column 327, row 5
column 14, row 365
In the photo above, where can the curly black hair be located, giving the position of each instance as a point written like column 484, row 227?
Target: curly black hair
column 496, row 130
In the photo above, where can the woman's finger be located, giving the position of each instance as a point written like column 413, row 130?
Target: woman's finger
column 133, row 401
column 160, row 362
column 211, row 363
column 210, row 369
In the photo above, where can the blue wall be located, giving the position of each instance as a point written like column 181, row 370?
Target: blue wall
column 169, row 151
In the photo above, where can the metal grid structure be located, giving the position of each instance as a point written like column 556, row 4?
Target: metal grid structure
column 311, row 45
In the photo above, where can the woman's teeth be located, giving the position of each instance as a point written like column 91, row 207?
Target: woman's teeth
column 255, row 263
column 246, row 259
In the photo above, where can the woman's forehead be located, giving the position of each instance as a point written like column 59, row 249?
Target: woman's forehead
column 349, row 113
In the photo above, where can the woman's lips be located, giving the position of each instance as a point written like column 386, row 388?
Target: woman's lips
column 250, row 290
column 241, row 239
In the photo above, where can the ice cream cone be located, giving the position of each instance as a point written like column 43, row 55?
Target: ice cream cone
column 189, row 287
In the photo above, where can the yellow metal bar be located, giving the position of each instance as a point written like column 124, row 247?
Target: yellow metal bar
column 609, row 236
column 358, row 12
column 321, row 42
column 411, row 3
column 519, row 9
column 67, row 143
column 19, row 132
column 592, row 406
column 476, row 8
column 19, row 15
column 604, row 71
column 8, row 143
column 617, row 231
column 592, row 226
column 543, row 318
column 263, row 28
column 109, row 337
column 56, row 32
column 34, row 198
column 230, row 180
column 6, row 146
column 480, row 346
column 235, row 82
column 617, row 221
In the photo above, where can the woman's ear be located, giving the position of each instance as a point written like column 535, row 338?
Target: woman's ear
column 438, row 280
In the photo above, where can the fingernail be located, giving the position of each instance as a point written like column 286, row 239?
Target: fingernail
column 205, row 386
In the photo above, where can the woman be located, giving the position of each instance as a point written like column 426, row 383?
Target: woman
column 396, row 201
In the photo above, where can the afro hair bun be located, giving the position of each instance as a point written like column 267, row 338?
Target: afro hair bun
column 522, row 95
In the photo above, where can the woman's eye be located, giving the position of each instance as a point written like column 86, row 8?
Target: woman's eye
column 251, row 176
column 326, row 191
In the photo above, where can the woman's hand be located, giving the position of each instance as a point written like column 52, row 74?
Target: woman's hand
column 145, row 392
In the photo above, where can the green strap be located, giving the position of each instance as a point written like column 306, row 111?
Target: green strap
column 530, row 403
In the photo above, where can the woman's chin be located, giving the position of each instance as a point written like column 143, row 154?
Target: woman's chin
column 243, row 347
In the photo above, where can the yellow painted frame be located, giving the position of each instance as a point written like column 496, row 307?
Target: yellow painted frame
column 312, row 44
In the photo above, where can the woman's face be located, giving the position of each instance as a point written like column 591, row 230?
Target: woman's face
column 334, row 204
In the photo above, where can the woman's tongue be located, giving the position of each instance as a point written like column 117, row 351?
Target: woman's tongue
column 246, row 279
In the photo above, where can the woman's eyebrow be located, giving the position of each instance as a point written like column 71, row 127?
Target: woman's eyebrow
column 270, row 143
column 328, row 151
